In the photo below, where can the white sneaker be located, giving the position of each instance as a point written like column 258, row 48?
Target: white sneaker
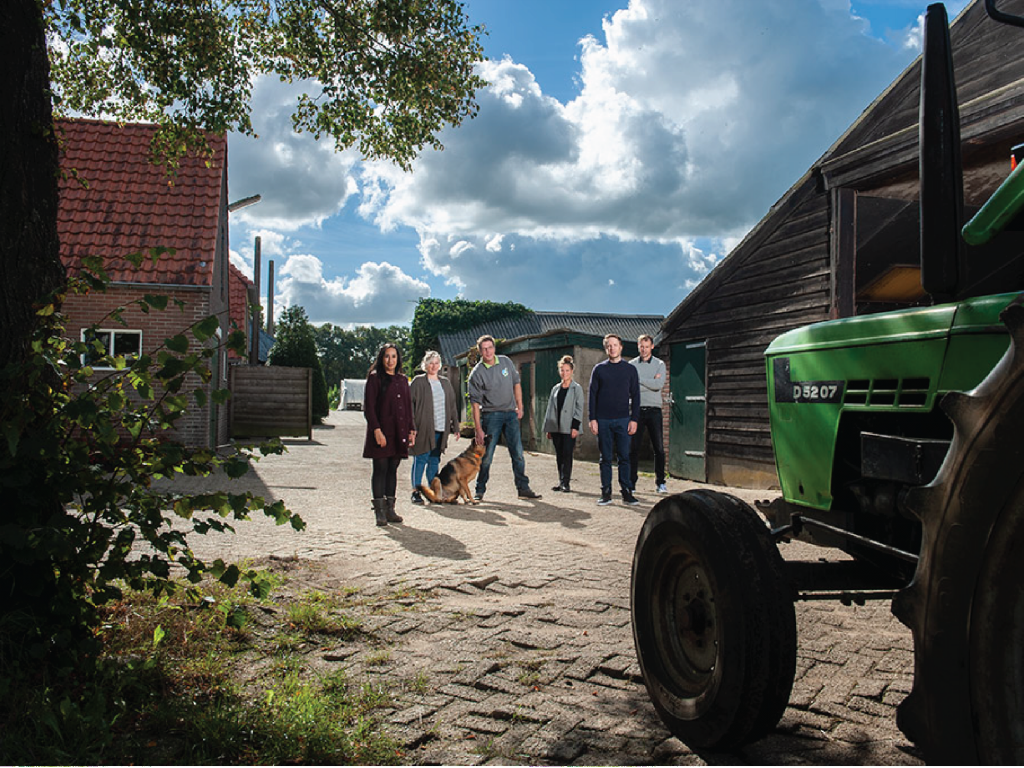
column 661, row 488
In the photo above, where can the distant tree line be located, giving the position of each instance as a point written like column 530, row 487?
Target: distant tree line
column 348, row 354
column 342, row 353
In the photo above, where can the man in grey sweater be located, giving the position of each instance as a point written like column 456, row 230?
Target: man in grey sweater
column 652, row 381
column 497, row 399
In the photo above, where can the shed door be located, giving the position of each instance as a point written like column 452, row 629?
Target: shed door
column 686, row 436
column 527, row 431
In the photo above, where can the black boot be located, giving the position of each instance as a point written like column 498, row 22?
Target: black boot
column 380, row 511
column 389, row 510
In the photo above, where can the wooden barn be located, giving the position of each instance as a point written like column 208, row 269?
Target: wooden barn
column 842, row 241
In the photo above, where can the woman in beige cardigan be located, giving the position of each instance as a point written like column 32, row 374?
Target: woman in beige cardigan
column 435, row 414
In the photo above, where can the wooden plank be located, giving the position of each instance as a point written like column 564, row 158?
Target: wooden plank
column 718, row 437
column 750, row 452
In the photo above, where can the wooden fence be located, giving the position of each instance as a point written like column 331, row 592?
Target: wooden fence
column 271, row 401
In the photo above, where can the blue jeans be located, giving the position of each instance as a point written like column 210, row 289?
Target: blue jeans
column 428, row 461
column 613, row 437
column 496, row 423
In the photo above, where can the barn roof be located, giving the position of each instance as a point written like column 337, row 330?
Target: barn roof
column 114, row 202
column 544, row 323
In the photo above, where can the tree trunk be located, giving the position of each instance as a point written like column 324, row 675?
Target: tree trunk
column 30, row 265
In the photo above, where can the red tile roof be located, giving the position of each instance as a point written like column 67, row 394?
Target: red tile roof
column 238, row 298
column 115, row 202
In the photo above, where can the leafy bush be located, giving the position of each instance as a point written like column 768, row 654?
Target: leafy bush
column 80, row 452
column 295, row 345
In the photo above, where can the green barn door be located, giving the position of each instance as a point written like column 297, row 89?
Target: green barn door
column 526, row 429
column 546, row 376
column 686, row 436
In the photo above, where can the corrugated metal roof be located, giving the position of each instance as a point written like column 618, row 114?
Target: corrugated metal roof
column 542, row 323
column 115, row 202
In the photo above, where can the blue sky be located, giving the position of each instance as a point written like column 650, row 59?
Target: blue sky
column 621, row 150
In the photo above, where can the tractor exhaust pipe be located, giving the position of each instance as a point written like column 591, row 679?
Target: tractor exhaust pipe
column 941, row 174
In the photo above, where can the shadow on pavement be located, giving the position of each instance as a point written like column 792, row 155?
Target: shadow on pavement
column 546, row 512
column 470, row 513
column 428, row 543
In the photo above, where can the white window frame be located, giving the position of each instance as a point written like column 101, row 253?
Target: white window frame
column 111, row 344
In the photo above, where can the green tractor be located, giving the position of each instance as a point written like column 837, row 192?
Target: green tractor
column 899, row 439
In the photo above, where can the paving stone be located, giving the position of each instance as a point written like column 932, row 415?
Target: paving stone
column 464, row 692
column 584, row 667
column 484, row 725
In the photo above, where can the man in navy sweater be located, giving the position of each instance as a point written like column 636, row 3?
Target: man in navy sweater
column 614, row 412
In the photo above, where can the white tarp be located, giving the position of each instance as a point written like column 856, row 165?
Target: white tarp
column 352, row 394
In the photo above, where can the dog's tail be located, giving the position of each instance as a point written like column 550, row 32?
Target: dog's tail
column 430, row 493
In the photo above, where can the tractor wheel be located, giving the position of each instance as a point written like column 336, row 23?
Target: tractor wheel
column 713, row 620
column 965, row 604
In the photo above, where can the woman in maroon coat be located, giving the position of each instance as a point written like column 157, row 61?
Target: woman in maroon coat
column 389, row 429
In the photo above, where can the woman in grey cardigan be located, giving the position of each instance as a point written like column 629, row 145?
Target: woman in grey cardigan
column 563, row 419
column 436, row 415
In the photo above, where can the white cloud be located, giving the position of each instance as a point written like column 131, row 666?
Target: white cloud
column 379, row 294
column 301, row 181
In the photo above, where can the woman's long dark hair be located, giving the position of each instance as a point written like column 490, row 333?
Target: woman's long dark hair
column 381, row 371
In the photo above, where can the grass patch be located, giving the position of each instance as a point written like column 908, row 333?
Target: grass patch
column 418, row 684
column 182, row 680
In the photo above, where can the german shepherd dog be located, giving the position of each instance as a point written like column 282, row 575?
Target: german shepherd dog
column 454, row 478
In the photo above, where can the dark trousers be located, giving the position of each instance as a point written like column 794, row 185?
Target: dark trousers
column 612, row 439
column 564, row 446
column 384, row 480
column 650, row 421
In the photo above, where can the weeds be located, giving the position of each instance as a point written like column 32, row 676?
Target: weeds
column 419, row 684
column 167, row 690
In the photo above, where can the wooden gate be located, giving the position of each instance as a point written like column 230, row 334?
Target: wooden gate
column 271, row 401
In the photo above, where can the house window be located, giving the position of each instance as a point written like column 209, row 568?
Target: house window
column 115, row 343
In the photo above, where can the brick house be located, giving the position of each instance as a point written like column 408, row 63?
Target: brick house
column 114, row 202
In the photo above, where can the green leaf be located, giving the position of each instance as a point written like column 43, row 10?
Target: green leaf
column 237, row 342
column 230, row 575
column 12, row 433
column 205, row 329
column 158, row 635
column 235, row 467
column 178, row 343
column 157, row 301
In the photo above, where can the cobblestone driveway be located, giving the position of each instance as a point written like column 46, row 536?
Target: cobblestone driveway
column 522, row 647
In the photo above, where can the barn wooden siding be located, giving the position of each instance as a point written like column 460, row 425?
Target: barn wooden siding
column 782, row 279
column 271, row 401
